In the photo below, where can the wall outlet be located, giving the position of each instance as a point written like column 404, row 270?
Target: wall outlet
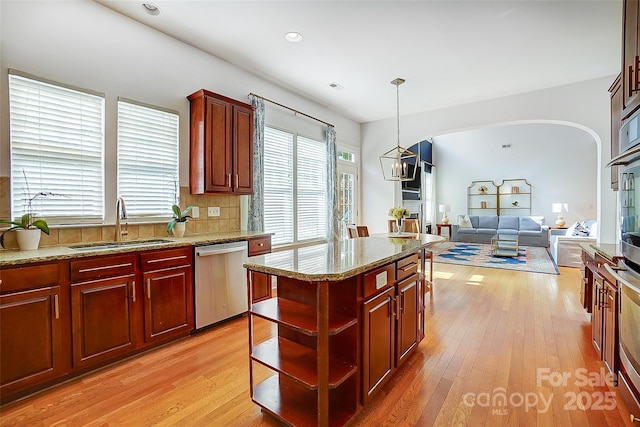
column 195, row 212
column 213, row 211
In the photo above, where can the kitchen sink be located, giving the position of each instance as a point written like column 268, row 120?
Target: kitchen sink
column 112, row 245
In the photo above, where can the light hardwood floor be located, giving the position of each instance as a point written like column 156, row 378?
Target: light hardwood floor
column 488, row 331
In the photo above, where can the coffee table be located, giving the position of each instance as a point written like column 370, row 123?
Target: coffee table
column 504, row 245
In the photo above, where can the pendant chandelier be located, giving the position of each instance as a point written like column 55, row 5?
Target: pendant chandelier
column 398, row 164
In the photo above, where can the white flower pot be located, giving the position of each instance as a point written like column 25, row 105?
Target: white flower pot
column 28, row 240
column 178, row 229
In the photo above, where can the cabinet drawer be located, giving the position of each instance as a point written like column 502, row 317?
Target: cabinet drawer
column 158, row 260
column 379, row 279
column 28, row 277
column 408, row 266
column 260, row 246
column 98, row 268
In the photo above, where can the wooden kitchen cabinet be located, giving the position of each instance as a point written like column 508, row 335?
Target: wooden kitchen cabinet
column 616, row 122
column 630, row 57
column 32, row 344
column 391, row 321
column 104, row 312
column 610, row 329
column 221, row 144
column 168, row 293
column 596, row 313
column 260, row 283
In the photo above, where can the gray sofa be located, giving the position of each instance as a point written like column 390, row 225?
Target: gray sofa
column 530, row 232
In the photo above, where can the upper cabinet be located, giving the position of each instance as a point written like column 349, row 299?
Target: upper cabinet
column 221, row 144
column 630, row 57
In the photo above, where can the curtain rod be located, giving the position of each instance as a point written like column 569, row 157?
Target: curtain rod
column 291, row 109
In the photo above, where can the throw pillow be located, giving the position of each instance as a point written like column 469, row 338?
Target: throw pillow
column 464, row 221
column 581, row 229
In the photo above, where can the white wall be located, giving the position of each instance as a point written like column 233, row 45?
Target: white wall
column 558, row 161
column 84, row 44
column 584, row 105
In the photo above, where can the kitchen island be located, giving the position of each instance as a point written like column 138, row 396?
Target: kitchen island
column 346, row 315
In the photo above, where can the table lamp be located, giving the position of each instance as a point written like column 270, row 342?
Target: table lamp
column 559, row 208
column 444, row 209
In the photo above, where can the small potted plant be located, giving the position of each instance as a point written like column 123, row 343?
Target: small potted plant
column 28, row 228
column 180, row 217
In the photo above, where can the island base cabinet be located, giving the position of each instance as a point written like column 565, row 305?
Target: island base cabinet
column 102, row 320
column 378, row 337
column 31, row 331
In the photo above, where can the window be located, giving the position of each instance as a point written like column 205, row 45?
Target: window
column 147, row 159
column 57, row 143
column 346, row 156
column 295, row 195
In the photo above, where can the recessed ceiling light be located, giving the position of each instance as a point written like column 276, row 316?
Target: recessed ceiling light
column 336, row 86
column 293, row 36
column 151, row 8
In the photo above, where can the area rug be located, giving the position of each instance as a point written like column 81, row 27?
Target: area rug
column 530, row 258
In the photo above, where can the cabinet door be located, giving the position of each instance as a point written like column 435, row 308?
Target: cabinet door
column 218, row 145
column 168, row 304
column 631, row 46
column 31, row 336
column 616, row 121
column 260, row 286
column 596, row 313
column 378, row 341
column 408, row 312
column 610, row 330
column 102, row 320
column 242, row 150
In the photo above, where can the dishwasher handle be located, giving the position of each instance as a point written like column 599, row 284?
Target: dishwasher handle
column 212, row 250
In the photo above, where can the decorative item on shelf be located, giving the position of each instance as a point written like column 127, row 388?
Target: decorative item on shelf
column 399, row 214
column 444, row 209
column 178, row 224
column 483, row 189
column 515, row 204
column 398, row 164
column 558, row 208
column 483, row 205
column 515, row 189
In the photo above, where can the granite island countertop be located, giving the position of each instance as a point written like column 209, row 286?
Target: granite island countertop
column 53, row 253
column 341, row 259
column 610, row 251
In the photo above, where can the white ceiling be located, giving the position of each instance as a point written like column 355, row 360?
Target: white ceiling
column 450, row 52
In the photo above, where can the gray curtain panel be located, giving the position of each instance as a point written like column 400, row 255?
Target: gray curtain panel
column 333, row 219
column 256, row 203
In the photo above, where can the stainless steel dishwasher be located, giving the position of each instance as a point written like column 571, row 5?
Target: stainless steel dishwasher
column 221, row 282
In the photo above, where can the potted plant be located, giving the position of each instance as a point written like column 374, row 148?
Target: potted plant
column 180, row 217
column 27, row 228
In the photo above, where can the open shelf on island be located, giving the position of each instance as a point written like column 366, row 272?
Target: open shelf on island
column 298, row 316
column 299, row 362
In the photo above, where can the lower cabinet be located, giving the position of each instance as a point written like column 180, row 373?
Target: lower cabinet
column 168, row 295
column 391, row 323
column 32, row 349
column 596, row 313
column 260, row 283
column 103, row 314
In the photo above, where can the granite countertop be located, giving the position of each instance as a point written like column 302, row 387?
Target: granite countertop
column 339, row 260
column 53, row 253
column 610, row 251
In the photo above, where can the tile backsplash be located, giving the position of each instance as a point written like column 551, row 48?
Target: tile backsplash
column 229, row 220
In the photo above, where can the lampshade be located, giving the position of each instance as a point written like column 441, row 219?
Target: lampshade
column 444, row 208
column 398, row 164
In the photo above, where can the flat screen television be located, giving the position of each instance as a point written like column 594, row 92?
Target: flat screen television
column 413, row 185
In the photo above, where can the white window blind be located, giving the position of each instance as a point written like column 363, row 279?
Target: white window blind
column 147, row 160
column 295, row 181
column 312, row 189
column 278, row 185
column 57, row 142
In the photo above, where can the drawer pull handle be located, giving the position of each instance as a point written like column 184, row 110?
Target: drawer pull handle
column 133, row 290
column 634, row 419
column 409, row 267
column 56, row 305
column 259, row 244
column 173, row 258
column 148, row 288
column 106, row 267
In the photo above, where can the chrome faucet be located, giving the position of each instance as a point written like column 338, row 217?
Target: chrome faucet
column 121, row 213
